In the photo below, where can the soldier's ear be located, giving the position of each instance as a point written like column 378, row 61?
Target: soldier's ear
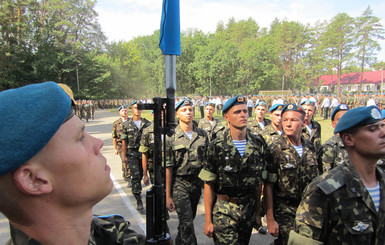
column 32, row 180
column 348, row 139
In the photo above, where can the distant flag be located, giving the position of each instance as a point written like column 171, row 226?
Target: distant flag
column 169, row 40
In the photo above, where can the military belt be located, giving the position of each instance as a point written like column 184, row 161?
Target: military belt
column 235, row 200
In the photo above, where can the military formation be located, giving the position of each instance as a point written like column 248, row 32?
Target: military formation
column 271, row 174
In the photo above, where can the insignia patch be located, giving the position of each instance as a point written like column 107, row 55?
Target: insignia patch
column 343, row 107
column 279, row 107
column 360, row 226
column 376, row 114
column 290, row 107
column 241, row 99
column 228, row 168
column 289, row 165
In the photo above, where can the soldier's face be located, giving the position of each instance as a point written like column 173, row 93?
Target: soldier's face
column 309, row 109
column 123, row 112
column 237, row 116
column 276, row 117
column 260, row 111
column 135, row 110
column 209, row 110
column 369, row 140
column 185, row 114
column 292, row 123
column 78, row 171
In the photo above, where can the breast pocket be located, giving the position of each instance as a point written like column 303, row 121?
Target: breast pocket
column 228, row 173
column 359, row 231
column 288, row 171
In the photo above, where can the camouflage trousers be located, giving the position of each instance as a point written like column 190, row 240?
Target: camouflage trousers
column 285, row 217
column 125, row 167
column 186, row 195
column 135, row 163
column 233, row 223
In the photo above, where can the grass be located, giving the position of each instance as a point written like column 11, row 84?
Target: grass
column 326, row 126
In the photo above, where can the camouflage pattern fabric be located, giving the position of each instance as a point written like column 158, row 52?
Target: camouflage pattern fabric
column 186, row 157
column 269, row 135
column 315, row 136
column 211, row 130
column 290, row 174
column 256, row 128
column 117, row 130
column 106, row 230
column 235, row 176
column 337, row 209
column 381, row 163
column 332, row 153
column 133, row 135
column 147, row 146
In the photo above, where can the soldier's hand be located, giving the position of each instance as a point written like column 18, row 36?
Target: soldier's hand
column 273, row 228
column 170, row 204
column 146, row 180
column 209, row 229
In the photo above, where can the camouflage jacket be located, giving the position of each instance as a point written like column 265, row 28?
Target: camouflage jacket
column 332, row 153
column 117, row 130
column 338, row 209
column 289, row 172
column 133, row 135
column 184, row 155
column 256, row 128
column 147, row 142
column 315, row 136
column 269, row 135
column 106, row 230
column 211, row 130
column 232, row 174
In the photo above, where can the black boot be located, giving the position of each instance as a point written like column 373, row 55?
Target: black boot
column 139, row 203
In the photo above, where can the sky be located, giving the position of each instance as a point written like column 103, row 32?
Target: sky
column 126, row 19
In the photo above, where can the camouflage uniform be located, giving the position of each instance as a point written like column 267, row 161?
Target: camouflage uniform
column 290, row 174
column 315, row 136
column 332, row 153
column 105, row 230
column 256, row 128
column 117, row 130
column 132, row 134
column 269, row 135
column 186, row 157
column 211, row 130
column 337, row 209
column 235, row 178
column 147, row 146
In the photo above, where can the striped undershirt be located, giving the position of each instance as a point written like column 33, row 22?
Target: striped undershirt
column 189, row 134
column 241, row 145
column 298, row 149
column 375, row 194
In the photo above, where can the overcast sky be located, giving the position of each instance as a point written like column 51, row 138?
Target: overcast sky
column 126, row 19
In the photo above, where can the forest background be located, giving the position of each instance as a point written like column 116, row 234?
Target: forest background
column 62, row 41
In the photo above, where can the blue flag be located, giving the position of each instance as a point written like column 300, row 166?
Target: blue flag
column 169, row 40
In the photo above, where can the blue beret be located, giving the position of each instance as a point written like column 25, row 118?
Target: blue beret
column 293, row 107
column 276, row 107
column 237, row 100
column 260, row 103
column 184, row 102
column 340, row 107
column 308, row 102
column 383, row 114
column 135, row 102
column 121, row 107
column 209, row 104
column 358, row 117
column 44, row 107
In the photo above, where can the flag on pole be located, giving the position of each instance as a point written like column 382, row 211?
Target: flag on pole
column 169, row 40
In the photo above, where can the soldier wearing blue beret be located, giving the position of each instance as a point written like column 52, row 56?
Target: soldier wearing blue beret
column 227, row 176
column 211, row 125
column 293, row 166
column 48, row 173
column 259, row 122
column 347, row 205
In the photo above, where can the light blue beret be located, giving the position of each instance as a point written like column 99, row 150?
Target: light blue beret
column 340, row 107
column 293, row 107
column 276, row 107
column 260, row 103
column 29, row 117
column 308, row 102
column 358, row 117
column 237, row 100
column 184, row 102
column 383, row 114
column 121, row 107
column 210, row 104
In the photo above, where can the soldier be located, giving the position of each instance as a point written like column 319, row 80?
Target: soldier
column 117, row 130
column 312, row 129
column 332, row 152
column 147, row 149
column 259, row 122
column 272, row 132
column 347, row 205
column 51, row 179
column 294, row 165
column 186, row 153
column 233, row 171
column 209, row 124
column 132, row 133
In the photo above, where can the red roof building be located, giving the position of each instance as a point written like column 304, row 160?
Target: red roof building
column 371, row 81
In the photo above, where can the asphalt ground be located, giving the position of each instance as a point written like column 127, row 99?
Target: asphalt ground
column 121, row 201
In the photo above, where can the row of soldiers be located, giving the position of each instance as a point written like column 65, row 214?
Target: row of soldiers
column 280, row 157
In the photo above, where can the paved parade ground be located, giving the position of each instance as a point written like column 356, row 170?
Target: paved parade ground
column 121, row 201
